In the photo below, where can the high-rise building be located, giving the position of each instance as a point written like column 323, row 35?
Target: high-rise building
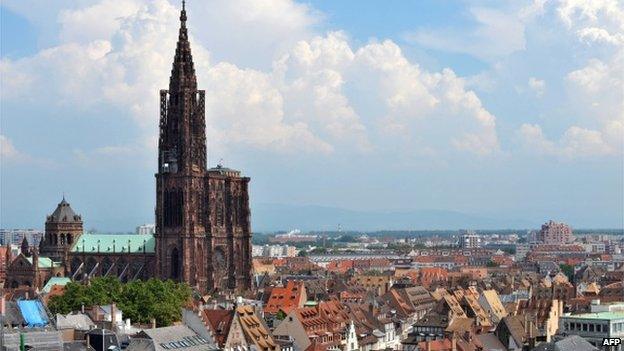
column 203, row 234
column 555, row 233
column 469, row 239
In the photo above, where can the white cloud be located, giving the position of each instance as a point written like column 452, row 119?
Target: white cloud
column 576, row 142
column 97, row 22
column 595, row 89
column 7, row 150
column 308, row 101
column 537, row 85
column 497, row 34
column 10, row 154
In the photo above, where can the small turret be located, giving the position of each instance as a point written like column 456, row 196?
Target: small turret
column 25, row 248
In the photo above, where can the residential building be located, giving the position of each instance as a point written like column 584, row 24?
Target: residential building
column 469, row 239
column 594, row 327
column 286, row 298
column 492, row 305
column 555, row 233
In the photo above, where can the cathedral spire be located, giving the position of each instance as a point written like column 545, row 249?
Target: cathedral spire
column 183, row 14
column 183, row 72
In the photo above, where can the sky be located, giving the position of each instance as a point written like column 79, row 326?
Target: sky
column 505, row 109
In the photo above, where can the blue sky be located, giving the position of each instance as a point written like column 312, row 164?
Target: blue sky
column 501, row 109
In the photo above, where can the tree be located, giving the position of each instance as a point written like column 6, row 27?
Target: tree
column 568, row 270
column 280, row 315
column 139, row 300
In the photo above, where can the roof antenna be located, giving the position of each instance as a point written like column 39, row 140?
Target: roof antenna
column 183, row 3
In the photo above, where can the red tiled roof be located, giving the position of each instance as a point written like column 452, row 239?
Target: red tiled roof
column 219, row 322
column 285, row 298
column 436, row 345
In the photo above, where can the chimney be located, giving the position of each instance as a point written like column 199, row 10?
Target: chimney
column 2, row 305
column 428, row 343
column 113, row 312
column 82, row 308
column 153, row 323
column 454, row 343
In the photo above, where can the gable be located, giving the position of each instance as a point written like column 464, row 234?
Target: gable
column 235, row 336
column 21, row 263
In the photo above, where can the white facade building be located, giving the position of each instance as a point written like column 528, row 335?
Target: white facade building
column 469, row 239
column 146, row 229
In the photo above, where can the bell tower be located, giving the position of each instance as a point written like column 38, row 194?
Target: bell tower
column 62, row 228
column 180, row 225
column 203, row 235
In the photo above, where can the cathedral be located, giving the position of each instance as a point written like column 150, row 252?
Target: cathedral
column 203, row 232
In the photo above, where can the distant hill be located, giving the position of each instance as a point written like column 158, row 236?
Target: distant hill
column 274, row 217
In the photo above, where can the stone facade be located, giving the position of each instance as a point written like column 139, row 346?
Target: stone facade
column 126, row 256
column 62, row 228
column 203, row 234
column 30, row 270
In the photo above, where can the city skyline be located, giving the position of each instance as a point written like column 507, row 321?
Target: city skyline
column 383, row 130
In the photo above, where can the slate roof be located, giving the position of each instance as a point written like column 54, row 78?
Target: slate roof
column 64, row 213
column 574, row 343
column 490, row 342
column 570, row 343
column 39, row 340
column 79, row 321
column 115, row 243
column 177, row 337
column 12, row 315
column 140, row 344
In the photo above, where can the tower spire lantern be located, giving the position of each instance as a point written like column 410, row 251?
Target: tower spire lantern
column 183, row 14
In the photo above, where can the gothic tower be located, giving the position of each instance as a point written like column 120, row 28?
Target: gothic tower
column 62, row 228
column 203, row 236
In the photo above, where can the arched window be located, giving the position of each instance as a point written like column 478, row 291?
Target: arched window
column 70, row 239
column 75, row 265
column 121, row 265
column 55, row 239
column 106, row 265
column 175, row 264
column 91, row 262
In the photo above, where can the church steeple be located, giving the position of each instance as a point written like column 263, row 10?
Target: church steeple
column 183, row 71
column 203, row 235
column 182, row 141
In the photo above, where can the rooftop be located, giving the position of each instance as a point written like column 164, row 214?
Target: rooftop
column 44, row 262
column 62, row 281
column 599, row 315
column 64, row 213
column 115, row 243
